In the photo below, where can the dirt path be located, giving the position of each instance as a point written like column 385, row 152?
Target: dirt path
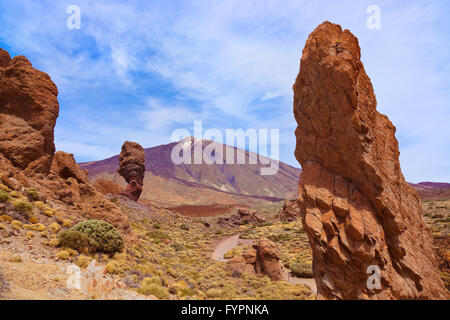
column 228, row 243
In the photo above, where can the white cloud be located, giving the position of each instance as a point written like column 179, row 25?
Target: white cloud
column 141, row 69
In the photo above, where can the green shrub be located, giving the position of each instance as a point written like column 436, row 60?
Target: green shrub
column 23, row 206
column 77, row 240
column 280, row 237
column 302, row 269
column 156, row 226
column 34, row 195
column 4, row 197
column 157, row 235
column 152, row 286
column 184, row 227
column 105, row 235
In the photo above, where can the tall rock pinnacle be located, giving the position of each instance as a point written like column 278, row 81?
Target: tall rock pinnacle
column 359, row 213
column 132, row 168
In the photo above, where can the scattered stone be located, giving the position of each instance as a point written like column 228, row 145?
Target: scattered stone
column 242, row 217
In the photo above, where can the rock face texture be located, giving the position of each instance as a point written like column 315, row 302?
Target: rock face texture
column 356, row 207
column 28, row 112
column 105, row 186
column 64, row 165
column 132, row 168
column 262, row 257
column 291, row 210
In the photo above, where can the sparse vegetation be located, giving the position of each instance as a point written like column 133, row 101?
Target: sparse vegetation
column 23, row 206
column 302, row 269
column 77, row 240
column 63, row 255
column 153, row 286
column 33, row 194
column 4, row 196
column 172, row 261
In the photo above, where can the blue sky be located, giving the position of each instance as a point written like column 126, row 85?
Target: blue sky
column 137, row 70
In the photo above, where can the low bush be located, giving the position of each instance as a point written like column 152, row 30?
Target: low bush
column 153, row 286
column 77, row 240
column 302, row 270
column 4, row 197
column 33, row 194
column 23, row 207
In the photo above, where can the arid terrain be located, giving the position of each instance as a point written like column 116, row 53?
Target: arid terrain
column 177, row 254
column 137, row 226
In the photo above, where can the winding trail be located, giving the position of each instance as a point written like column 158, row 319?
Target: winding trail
column 228, row 243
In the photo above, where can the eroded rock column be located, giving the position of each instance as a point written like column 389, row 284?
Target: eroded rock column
column 132, row 168
column 356, row 207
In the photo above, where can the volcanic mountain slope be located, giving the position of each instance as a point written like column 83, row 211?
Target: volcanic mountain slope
column 430, row 185
column 193, row 183
column 432, row 190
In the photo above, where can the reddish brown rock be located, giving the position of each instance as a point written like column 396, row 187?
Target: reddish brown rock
column 65, row 166
column 106, row 186
column 28, row 112
column 5, row 58
column 291, row 210
column 10, row 182
column 268, row 259
column 263, row 257
column 132, row 168
column 238, row 265
column 356, row 207
column 242, row 217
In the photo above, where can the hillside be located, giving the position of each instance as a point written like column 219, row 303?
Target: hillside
column 203, row 183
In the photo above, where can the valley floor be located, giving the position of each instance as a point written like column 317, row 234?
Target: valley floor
column 174, row 257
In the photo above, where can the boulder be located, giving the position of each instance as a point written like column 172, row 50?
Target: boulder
column 263, row 258
column 291, row 210
column 241, row 217
column 359, row 213
column 65, row 166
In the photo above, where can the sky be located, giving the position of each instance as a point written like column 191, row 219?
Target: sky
column 138, row 70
